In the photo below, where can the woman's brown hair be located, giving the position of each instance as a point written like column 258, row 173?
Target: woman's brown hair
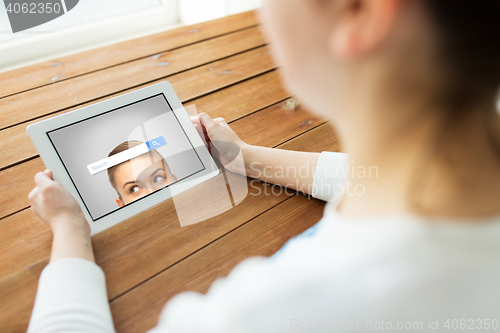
column 468, row 32
column 121, row 148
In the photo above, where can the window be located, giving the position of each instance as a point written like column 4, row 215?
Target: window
column 92, row 23
column 95, row 23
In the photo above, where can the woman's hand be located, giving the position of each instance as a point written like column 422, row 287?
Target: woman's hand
column 217, row 134
column 56, row 207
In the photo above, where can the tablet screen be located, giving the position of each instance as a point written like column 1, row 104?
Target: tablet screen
column 121, row 156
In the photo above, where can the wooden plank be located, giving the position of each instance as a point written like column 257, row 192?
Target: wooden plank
column 16, row 182
column 17, row 295
column 15, row 185
column 217, row 75
column 231, row 103
column 244, row 98
column 20, row 108
column 139, row 309
column 56, row 70
column 321, row 138
column 24, row 241
column 266, row 128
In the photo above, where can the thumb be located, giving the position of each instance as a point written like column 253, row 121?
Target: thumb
column 42, row 179
column 207, row 121
column 49, row 174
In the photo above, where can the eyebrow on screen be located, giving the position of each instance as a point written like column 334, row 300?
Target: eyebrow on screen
column 135, row 182
column 131, row 182
column 159, row 169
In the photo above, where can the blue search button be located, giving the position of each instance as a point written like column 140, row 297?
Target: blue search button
column 156, row 143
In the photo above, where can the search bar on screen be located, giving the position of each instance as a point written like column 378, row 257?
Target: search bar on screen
column 126, row 155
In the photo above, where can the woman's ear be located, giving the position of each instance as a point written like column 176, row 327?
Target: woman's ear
column 361, row 26
column 119, row 202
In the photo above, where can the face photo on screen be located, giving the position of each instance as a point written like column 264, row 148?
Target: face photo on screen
column 153, row 173
column 118, row 157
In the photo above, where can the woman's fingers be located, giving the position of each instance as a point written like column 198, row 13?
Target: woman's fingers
column 207, row 121
column 33, row 194
column 195, row 120
column 200, row 128
column 42, row 179
column 49, row 174
column 221, row 120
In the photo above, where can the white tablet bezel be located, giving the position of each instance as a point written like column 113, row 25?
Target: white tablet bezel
column 39, row 137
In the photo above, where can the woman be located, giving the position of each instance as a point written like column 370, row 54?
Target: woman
column 411, row 87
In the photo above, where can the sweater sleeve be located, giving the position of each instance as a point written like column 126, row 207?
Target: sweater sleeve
column 330, row 175
column 71, row 297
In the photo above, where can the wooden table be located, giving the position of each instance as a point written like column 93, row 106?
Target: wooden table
column 223, row 67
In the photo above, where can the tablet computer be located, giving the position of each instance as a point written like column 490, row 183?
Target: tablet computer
column 124, row 155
